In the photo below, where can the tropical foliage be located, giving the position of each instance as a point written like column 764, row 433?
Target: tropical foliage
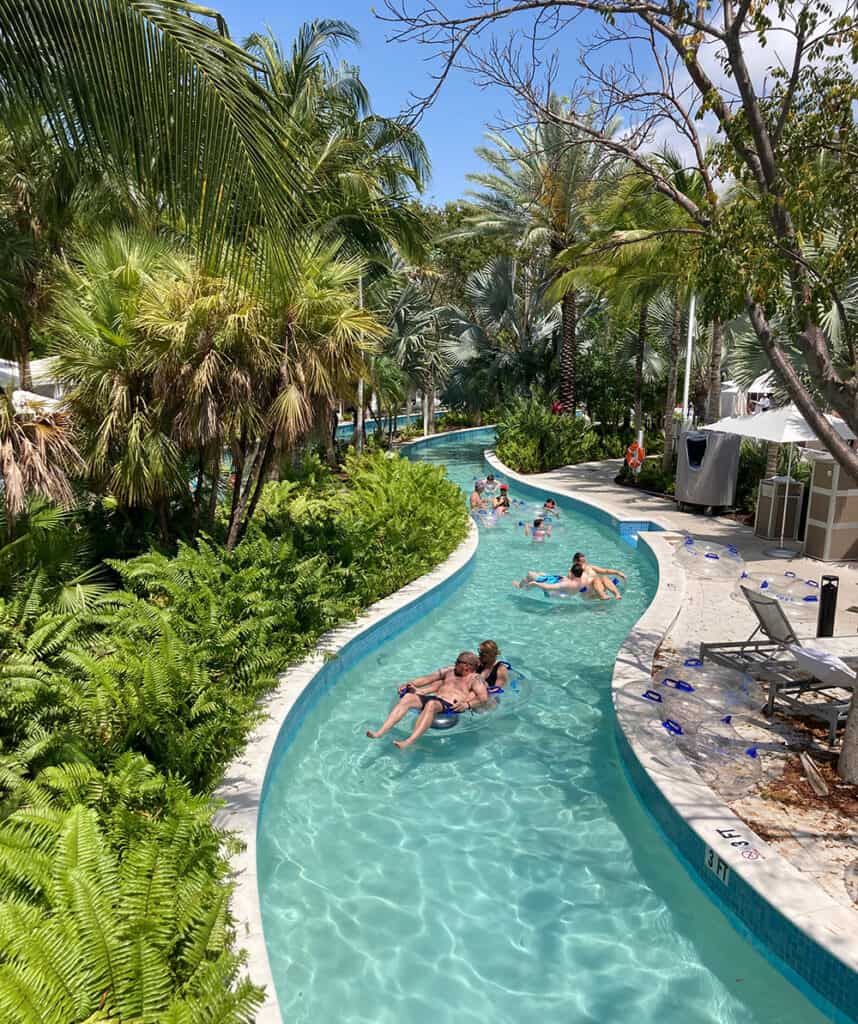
column 124, row 705
column 532, row 439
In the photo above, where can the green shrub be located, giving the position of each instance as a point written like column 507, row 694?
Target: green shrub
column 532, row 439
column 120, row 715
column 411, row 431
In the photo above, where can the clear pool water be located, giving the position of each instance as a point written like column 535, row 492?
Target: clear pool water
column 503, row 876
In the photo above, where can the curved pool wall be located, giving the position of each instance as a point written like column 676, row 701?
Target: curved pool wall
column 345, row 430
column 780, row 911
column 283, row 727
column 299, row 690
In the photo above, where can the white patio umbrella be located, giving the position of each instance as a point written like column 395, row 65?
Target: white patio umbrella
column 779, row 426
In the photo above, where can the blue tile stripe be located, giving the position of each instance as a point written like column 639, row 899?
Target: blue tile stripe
column 822, row 977
column 826, row 981
column 352, row 652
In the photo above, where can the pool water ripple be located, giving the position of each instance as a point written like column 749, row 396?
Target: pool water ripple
column 504, row 875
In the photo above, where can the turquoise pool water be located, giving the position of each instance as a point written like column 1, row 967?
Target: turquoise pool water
column 503, row 876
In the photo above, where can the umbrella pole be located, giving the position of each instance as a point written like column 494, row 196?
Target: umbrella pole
column 782, row 552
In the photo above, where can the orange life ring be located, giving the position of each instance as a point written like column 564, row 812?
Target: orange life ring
column 635, row 455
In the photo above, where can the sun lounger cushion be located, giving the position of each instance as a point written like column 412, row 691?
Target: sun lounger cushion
column 824, row 665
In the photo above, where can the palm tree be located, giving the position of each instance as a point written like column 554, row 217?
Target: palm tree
column 512, row 332
column 539, row 191
column 159, row 91
column 206, row 348
column 127, row 441
column 425, row 340
column 642, row 244
column 36, row 456
column 321, row 336
column 362, row 168
column 37, row 200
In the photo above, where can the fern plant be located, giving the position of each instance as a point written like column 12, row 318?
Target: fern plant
column 86, row 934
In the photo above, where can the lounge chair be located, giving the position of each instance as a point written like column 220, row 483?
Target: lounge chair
column 774, row 660
column 833, row 673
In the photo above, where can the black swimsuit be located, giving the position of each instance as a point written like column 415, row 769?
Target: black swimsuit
column 426, row 697
column 491, row 679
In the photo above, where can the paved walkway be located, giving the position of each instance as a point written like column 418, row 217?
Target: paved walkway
column 820, row 843
column 595, row 480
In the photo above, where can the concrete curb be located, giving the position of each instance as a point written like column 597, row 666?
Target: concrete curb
column 770, row 898
column 244, row 781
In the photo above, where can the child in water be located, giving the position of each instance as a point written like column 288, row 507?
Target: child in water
column 539, row 532
column 502, row 500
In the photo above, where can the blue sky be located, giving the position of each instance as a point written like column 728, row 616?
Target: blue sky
column 451, row 129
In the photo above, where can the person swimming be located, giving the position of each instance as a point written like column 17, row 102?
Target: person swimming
column 598, row 577
column 501, row 503
column 578, row 581
column 560, row 586
column 478, row 502
column 539, row 532
column 457, row 687
column 494, row 671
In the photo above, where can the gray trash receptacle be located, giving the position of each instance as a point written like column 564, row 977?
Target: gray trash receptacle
column 707, row 468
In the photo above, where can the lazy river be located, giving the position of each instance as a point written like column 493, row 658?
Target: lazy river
column 506, row 874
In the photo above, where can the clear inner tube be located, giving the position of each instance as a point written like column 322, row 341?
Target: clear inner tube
column 799, row 593
column 504, row 701
column 485, row 518
column 711, row 560
column 585, row 597
column 704, row 690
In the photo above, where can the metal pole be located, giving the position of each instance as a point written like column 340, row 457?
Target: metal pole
column 359, row 410
column 689, row 350
column 781, row 551
column 786, row 494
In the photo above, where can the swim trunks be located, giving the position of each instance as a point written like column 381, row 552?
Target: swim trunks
column 548, row 579
column 426, row 697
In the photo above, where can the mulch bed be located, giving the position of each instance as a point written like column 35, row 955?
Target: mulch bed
column 793, row 789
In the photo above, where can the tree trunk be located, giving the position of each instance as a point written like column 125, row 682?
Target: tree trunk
column 847, row 763
column 261, row 479
column 568, row 351
column 773, row 451
column 213, row 497
column 669, row 424
column 358, row 435
column 713, row 398
column 163, row 521
column 840, row 397
column 331, row 440
column 425, row 411
column 639, row 363
column 239, row 457
column 198, row 491
column 240, row 497
column 24, row 374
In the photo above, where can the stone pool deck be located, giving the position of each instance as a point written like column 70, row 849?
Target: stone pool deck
column 806, row 865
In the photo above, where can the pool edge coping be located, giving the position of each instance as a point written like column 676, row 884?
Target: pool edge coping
column 790, row 893
column 243, row 784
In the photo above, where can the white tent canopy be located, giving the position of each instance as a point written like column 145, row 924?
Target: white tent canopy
column 781, row 426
